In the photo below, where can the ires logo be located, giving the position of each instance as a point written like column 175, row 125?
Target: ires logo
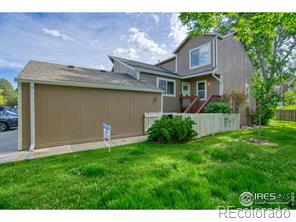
column 247, row 198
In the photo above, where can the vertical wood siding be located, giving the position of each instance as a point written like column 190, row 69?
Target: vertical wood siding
column 69, row 115
column 183, row 55
column 170, row 104
column 170, row 65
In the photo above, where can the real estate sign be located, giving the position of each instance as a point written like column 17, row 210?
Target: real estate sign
column 107, row 135
column 107, row 131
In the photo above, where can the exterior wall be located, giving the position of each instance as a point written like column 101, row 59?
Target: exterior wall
column 26, row 133
column 69, row 115
column 212, row 86
column 170, row 65
column 170, row 103
column 183, row 55
column 236, row 68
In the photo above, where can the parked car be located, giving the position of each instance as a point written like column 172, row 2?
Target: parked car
column 8, row 120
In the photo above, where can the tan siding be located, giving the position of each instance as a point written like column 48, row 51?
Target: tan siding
column 212, row 86
column 170, row 65
column 235, row 67
column 170, row 104
column 26, row 116
column 183, row 55
column 68, row 115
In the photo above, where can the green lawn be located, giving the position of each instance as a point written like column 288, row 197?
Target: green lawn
column 203, row 174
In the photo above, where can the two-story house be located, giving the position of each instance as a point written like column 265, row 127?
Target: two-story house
column 64, row 104
column 206, row 67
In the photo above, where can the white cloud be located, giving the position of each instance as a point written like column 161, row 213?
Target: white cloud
column 156, row 18
column 57, row 34
column 144, row 44
column 101, row 67
column 10, row 64
column 143, row 47
column 178, row 30
column 126, row 53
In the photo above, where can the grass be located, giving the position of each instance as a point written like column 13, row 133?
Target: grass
column 203, row 174
column 286, row 108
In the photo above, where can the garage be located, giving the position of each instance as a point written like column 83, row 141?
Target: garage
column 61, row 105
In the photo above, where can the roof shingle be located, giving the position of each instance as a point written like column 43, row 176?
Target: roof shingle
column 56, row 73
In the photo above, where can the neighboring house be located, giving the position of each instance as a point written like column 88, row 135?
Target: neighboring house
column 61, row 104
column 207, row 67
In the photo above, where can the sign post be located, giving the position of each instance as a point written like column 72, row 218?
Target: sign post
column 107, row 135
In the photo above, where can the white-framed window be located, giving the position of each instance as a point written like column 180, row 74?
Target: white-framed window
column 167, row 85
column 200, row 56
column 201, row 89
column 247, row 92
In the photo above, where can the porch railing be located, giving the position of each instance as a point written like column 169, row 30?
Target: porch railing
column 212, row 98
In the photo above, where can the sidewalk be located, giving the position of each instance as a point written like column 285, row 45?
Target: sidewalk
column 51, row 151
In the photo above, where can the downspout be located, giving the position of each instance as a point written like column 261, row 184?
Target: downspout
column 32, row 115
column 216, row 67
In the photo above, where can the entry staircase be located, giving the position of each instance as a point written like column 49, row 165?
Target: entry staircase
column 194, row 107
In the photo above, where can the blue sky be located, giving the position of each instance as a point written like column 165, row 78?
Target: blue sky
column 85, row 39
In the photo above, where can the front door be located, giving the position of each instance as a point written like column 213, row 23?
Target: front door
column 185, row 88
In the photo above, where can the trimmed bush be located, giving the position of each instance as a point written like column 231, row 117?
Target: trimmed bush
column 218, row 107
column 172, row 130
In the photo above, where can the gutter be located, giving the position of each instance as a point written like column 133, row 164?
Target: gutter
column 216, row 68
column 86, row 85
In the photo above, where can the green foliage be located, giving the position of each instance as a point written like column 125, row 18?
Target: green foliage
column 172, row 130
column 217, row 107
column 236, row 100
column 290, row 97
column 9, row 94
column 286, row 107
column 267, row 97
column 268, row 38
column 2, row 98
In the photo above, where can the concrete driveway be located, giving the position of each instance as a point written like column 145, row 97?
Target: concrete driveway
column 8, row 141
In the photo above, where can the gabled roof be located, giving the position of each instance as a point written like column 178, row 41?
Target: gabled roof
column 145, row 67
column 188, row 37
column 56, row 74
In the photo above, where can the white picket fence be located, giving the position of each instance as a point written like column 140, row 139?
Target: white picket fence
column 205, row 123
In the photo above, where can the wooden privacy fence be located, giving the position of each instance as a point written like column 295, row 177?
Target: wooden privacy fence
column 205, row 123
column 288, row 115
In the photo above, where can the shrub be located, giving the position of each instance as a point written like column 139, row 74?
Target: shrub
column 236, row 100
column 217, row 107
column 172, row 130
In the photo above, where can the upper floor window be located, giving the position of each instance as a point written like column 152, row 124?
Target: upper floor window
column 200, row 56
column 168, row 86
